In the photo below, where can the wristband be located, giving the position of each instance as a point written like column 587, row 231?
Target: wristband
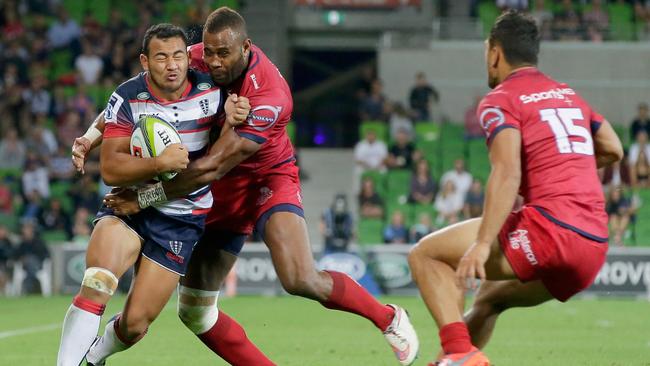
column 151, row 194
column 93, row 134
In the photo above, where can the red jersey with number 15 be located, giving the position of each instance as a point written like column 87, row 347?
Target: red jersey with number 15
column 271, row 108
column 559, row 176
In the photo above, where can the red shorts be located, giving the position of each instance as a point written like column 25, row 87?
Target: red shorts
column 538, row 249
column 243, row 202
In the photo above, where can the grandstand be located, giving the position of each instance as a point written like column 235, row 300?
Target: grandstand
column 331, row 52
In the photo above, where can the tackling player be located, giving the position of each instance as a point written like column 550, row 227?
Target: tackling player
column 256, row 166
column 546, row 143
column 160, row 239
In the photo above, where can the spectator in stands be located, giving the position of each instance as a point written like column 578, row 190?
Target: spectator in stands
column 639, row 161
column 365, row 81
column 369, row 154
column 83, row 104
column 473, row 129
column 422, row 228
column 69, row 128
column 37, row 98
column 13, row 28
column 6, row 197
column 460, row 177
column 60, row 165
column 31, row 252
column 474, row 200
column 448, row 204
column 396, row 232
column 64, row 32
column 81, row 229
column 543, row 17
column 521, row 5
column 399, row 120
column 423, row 186
column 401, row 153
column 566, row 23
column 619, row 209
column 617, row 174
column 337, row 225
column 41, row 141
column 55, row 218
column 372, row 106
column 12, row 151
column 641, row 121
column 35, row 177
column 6, row 255
column 596, row 20
column 84, row 194
column 89, row 66
column 371, row 206
column 421, row 96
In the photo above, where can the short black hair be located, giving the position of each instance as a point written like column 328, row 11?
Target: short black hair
column 162, row 31
column 224, row 17
column 518, row 35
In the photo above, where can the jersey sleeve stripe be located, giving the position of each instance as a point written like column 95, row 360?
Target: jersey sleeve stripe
column 499, row 129
column 595, row 125
column 252, row 137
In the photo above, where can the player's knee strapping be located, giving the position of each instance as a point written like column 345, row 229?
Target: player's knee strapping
column 100, row 279
column 197, row 309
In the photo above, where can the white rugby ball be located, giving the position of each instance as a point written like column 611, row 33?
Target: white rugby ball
column 151, row 137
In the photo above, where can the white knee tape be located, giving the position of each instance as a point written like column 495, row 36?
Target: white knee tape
column 197, row 309
column 100, row 279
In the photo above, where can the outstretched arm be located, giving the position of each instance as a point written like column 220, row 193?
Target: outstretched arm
column 86, row 143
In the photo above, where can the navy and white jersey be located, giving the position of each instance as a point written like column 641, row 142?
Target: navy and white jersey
column 193, row 115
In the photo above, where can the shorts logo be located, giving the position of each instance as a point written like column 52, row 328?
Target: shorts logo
column 205, row 106
column 176, row 246
column 519, row 239
column 299, row 195
column 265, row 195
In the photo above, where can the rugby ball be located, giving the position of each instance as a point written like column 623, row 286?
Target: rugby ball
column 150, row 138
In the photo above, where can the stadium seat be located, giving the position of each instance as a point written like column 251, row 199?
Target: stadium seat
column 59, row 190
column 399, row 180
column 291, row 131
column 370, row 231
column 419, row 209
column 100, row 9
column 487, row 13
column 77, row 8
column 478, row 159
column 44, row 276
column 9, row 220
column 380, row 128
column 621, row 21
column 61, row 63
column 54, row 236
column 642, row 229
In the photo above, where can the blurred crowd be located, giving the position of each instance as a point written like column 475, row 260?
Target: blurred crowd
column 57, row 72
column 588, row 20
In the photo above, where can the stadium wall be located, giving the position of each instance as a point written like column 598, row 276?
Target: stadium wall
column 613, row 77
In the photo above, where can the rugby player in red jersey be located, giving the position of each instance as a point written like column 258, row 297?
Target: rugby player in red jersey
column 255, row 184
column 545, row 143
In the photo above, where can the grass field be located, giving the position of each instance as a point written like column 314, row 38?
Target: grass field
column 297, row 332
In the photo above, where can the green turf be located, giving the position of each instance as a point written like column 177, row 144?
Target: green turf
column 297, row 332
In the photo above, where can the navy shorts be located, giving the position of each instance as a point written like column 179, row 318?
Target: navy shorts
column 167, row 240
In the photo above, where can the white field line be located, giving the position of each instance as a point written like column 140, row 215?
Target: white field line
column 29, row 330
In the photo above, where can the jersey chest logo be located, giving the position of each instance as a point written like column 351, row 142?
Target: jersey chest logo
column 205, row 106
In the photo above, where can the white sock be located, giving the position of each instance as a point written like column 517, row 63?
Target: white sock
column 107, row 345
column 80, row 328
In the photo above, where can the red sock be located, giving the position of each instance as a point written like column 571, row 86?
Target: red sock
column 88, row 305
column 347, row 295
column 454, row 338
column 228, row 340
